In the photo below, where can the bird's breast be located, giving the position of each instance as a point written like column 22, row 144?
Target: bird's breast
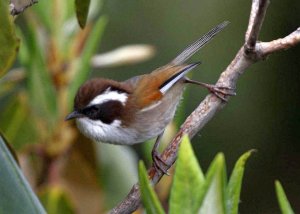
column 152, row 120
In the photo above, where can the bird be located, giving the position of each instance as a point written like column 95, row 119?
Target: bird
column 138, row 109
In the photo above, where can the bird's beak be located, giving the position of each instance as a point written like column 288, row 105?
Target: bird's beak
column 73, row 115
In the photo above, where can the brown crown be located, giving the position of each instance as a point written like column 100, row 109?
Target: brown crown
column 94, row 87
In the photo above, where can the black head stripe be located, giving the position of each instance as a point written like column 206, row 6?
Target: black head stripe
column 106, row 112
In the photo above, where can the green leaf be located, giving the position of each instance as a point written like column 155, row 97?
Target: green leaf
column 40, row 87
column 83, row 69
column 284, row 204
column 214, row 199
column 149, row 198
column 44, row 13
column 14, row 115
column 16, row 195
column 235, row 182
column 8, row 41
column 82, row 10
column 56, row 201
column 63, row 10
column 16, row 122
column 188, row 181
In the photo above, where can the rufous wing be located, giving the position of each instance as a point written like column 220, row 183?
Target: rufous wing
column 152, row 87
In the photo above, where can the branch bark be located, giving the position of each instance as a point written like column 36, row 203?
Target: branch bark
column 16, row 7
column 251, row 52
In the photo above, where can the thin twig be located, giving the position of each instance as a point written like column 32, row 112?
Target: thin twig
column 266, row 48
column 16, row 11
column 211, row 104
column 257, row 15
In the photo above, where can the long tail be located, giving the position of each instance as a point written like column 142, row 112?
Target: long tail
column 197, row 45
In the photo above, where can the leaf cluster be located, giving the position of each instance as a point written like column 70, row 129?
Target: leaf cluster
column 193, row 191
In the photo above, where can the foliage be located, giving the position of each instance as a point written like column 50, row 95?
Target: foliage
column 235, row 183
column 52, row 61
column 188, row 187
column 193, row 192
column 284, row 204
column 65, row 169
column 8, row 40
column 56, row 201
column 149, row 197
column 16, row 194
column 82, row 10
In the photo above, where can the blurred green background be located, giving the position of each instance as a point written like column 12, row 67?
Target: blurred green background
column 264, row 115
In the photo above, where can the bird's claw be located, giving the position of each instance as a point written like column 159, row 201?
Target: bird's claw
column 222, row 91
column 158, row 162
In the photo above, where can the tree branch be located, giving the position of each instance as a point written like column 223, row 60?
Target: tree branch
column 266, row 48
column 249, row 53
column 257, row 15
column 16, row 9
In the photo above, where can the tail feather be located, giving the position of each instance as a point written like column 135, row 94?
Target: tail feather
column 197, row 45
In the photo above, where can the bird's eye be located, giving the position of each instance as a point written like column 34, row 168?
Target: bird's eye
column 91, row 111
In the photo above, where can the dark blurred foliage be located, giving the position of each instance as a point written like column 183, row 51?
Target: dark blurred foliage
column 265, row 113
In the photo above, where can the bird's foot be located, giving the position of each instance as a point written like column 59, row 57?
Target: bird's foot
column 221, row 92
column 158, row 163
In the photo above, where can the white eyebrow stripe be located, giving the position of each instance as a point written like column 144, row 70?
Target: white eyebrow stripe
column 109, row 95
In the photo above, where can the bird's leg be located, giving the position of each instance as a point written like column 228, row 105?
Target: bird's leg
column 220, row 91
column 157, row 160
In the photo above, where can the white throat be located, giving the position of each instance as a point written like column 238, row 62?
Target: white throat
column 107, row 133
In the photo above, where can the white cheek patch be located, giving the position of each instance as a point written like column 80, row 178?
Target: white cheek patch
column 109, row 95
column 109, row 133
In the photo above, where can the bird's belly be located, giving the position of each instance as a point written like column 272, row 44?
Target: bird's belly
column 153, row 121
